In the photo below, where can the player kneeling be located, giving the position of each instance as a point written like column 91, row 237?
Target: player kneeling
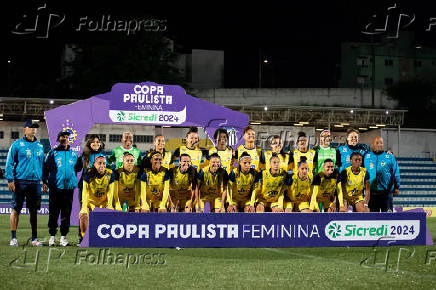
column 299, row 194
column 355, row 180
column 212, row 184
column 127, row 188
column 155, row 185
column 271, row 187
column 98, row 189
column 183, row 185
column 242, row 183
column 324, row 188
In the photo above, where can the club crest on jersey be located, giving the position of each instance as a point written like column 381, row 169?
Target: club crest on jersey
column 383, row 163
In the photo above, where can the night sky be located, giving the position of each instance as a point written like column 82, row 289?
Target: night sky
column 300, row 40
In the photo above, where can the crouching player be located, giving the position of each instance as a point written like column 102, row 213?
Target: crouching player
column 242, row 183
column 98, row 189
column 212, row 184
column 355, row 180
column 324, row 188
column 127, row 188
column 299, row 193
column 183, row 185
column 271, row 187
column 155, row 185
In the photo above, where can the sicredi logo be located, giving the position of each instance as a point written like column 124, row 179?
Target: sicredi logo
column 372, row 230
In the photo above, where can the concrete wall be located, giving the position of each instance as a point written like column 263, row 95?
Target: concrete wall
column 336, row 97
column 413, row 142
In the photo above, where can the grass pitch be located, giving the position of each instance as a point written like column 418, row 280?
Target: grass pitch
column 73, row 267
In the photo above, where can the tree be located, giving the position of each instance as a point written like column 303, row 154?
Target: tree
column 130, row 59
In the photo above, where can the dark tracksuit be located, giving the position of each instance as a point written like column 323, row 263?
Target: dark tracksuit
column 59, row 174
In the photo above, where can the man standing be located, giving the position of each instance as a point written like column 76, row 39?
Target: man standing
column 59, row 175
column 384, row 177
column 24, row 173
column 126, row 146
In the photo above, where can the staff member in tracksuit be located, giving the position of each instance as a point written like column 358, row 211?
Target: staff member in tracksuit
column 384, row 177
column 24, row 174
column 59, row 175
column 352, row 145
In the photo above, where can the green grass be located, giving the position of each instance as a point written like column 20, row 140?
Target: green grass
column 214, row 267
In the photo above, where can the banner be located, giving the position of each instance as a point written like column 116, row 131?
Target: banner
column 5, row 208
column 117, row 229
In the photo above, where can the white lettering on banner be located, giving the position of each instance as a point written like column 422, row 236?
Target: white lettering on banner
column 358, row 230
column 280, row 231
column 148, row 95
column 208, row 231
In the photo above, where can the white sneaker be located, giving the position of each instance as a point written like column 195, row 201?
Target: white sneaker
column 36, row 243
column 13, row 243
column 63, row 242
column 51, row 241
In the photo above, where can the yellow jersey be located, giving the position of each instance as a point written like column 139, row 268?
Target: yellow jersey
column 284, row 161
column 354, row 184
column 154, row 187
column 97, row 191
column 272, row 188
column 196, row 155
column 296, row 157
column 325, row 188
column 182, row 183
column 242, row 186
column 256, row 156
column 212, row 184
column 300, row 190
column 127, row 188
column 166, row 159
column 226, row 157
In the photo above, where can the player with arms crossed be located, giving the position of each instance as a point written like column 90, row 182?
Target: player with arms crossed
column 299, row 193
column 324, row 188
column 242, row 183
column 196, row 153
column 271, row 187
column 183, row 185
column 98, row 190
column 302, row 150
column 277, row 148
column 212, row 184
column 257, row 158
column 225, row 152
column 127, row 188
column 355, row 181
column 155, row 185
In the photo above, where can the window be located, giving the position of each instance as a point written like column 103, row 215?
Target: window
column 115, row 137
column 417, row 63
column 142, row 139
column 389, row 81
column 15, row 135
column 102, row 137
column 389, row 62
column 362, row 61
column 2, row 135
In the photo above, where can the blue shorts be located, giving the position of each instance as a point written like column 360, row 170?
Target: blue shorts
column 28, row 190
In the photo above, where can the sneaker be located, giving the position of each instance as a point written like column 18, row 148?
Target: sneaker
column 13, row 243
column 36, row 243
column 63, row 242
column 51, row 241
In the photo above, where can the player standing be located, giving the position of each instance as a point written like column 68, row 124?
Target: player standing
column 302, row 150
column 277, row 148
column 257, row 158
column 325, row 151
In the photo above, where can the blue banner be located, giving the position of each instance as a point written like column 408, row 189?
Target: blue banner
column 117, row 229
